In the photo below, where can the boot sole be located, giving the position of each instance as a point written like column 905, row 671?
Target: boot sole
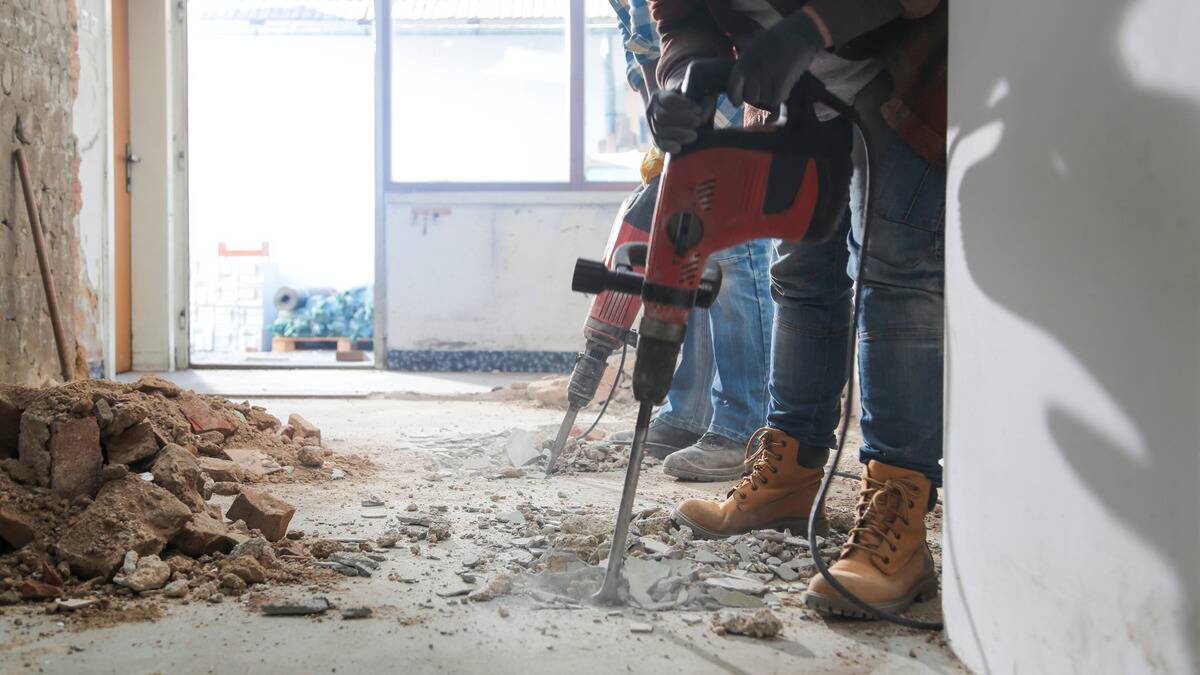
column 927, row 589
column 798, row 527
column 704, row 475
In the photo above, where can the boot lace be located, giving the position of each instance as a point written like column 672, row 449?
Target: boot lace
column 881, row 504
column 759, row 465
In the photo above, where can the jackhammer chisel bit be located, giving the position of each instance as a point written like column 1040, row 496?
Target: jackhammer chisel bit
column 564, row 432
column 610, row 592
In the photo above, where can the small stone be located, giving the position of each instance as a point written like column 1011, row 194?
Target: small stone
column 356, row 613
column 642, row 628
column 233, row 582
column 245, row 568
column 337, row 474
column 226, row 488
column 501, row 584
column 691, row 619
column 761, row 624
column 502, row 611
column 72, row 604
column 151, row 574
column 176, row 589
column 311, row 456
column 707, row 557
column 314, row 605
column 129, row 562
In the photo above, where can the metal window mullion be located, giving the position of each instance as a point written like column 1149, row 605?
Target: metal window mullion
column 576, row 20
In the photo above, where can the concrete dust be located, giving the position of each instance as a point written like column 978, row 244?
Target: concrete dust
column 467, row 545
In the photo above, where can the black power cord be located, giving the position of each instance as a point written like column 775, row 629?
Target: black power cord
column 611, row 393
column 851, row 352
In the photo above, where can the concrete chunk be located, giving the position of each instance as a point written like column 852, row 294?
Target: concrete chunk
column 127, row 515
column 203, row 418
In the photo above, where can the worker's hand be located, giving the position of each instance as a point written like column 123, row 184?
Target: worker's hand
column 774, row 61
column 674, row 119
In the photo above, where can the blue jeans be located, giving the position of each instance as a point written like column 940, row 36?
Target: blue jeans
column 900, row 333
column 721, row 382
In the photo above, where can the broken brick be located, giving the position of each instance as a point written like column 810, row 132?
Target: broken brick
column 262, row 511
column 203, row 418
column 50, row 575
column 303, row 430
column 204, row 535
column 35, row 590
column 15, row 529
column 75, row 458
column 132, row 445
column 129, row 514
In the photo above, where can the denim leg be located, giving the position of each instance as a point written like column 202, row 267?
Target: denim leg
column 741, row 321
column 901, row 330
column 812, row 323
column 689, row 403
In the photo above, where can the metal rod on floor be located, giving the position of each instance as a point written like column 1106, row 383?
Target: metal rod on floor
column 39, row 245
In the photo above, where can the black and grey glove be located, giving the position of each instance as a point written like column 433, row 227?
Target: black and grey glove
column 774, row 61
column 674, row 119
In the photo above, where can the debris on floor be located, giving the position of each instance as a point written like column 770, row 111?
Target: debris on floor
column 108, row 497
column 761, row 624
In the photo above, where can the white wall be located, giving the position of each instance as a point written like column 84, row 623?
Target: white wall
column 1073, row 378
column 494, row 273
column 92, row 126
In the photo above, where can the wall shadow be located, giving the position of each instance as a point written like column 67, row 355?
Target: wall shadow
column 1099, row 179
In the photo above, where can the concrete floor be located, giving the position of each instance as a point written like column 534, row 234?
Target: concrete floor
column 414, row 630
column 343, row 383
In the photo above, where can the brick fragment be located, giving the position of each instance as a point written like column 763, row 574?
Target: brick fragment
column 136, row 443
column 15, row 528
column 75, row 457
column 32, row 589
column 262, row 511
column 303, row 430
column 203, row 418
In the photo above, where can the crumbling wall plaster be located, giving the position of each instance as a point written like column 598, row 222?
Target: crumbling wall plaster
column 39, row 74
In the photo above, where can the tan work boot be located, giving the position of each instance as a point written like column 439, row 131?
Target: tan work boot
column 886, row 561
column 775, row 493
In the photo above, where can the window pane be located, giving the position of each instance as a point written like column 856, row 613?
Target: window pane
column 615, row 131
column 480, row 97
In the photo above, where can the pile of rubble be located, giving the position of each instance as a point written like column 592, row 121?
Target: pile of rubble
column 105, row 492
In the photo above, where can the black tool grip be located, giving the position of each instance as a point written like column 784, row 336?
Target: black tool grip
column 706, row 77
column 592, row 276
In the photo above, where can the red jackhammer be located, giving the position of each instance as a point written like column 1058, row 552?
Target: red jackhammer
column 788, row 181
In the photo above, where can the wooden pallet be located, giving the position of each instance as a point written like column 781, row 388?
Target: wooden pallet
column 290, row 344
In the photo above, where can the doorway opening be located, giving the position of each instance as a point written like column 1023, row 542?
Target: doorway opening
column 281, row 184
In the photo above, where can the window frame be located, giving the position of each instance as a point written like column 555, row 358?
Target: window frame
column 577, row 180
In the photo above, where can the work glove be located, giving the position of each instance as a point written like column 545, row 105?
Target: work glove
column 674, row 118
column 774, row 61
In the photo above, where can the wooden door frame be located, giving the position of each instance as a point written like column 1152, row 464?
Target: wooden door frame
column 119, row 342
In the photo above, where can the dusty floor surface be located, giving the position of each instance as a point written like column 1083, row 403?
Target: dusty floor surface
column 412, row 628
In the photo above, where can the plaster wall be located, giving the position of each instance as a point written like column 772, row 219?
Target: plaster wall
column 1073, row 375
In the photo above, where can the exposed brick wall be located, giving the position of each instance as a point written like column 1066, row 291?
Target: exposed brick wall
column 38, row 80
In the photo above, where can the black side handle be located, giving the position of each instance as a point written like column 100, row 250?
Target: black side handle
column 706, row 77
